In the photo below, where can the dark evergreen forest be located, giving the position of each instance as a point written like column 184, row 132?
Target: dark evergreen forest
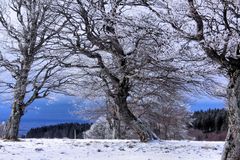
column 66, row 130
column 210, row 125
column 212, row 120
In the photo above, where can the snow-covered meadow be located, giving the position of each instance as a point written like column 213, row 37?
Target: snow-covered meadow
column 68, row 149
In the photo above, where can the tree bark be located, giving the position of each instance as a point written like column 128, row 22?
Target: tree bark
column 144, row 132
column 232, row 144
column 116, row 129
column 165, row 131
column 12, row 126
column 20, row 89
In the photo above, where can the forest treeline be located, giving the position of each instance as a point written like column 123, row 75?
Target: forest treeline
column 212, row 120
column 66, row 130
column 210, row 125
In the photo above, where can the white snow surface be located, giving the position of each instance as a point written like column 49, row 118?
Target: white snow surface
column 69, row 149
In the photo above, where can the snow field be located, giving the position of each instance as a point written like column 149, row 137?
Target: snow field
column 68, row 149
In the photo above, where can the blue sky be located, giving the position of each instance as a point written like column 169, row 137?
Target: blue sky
column 45, row 109
column 44, row 112
column 63, row 106
column 206, row 102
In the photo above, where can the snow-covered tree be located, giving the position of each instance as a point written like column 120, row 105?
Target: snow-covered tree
column 120, row 50
column 28, row 28
column 212, row 26
column 99, row 130
column 102, row 129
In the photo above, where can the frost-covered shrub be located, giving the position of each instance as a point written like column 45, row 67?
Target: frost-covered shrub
column 99, row 130
column 102, row 129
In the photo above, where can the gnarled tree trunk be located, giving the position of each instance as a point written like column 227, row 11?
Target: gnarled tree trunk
column 232, row 144
column 18, row 107
column 144, row 132
column 12, row 126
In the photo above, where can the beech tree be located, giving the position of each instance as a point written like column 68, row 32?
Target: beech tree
column 29, row 74
column 214, row 27
column 99, row 36
column 118, row 46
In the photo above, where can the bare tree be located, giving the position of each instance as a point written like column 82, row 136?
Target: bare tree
column 122, row 49
column 169, row 121
column 166, row 113
column 214, row 27
column 30, row 32
column 95, row 35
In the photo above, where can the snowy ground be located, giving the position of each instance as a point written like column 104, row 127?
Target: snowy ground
column 66, row 149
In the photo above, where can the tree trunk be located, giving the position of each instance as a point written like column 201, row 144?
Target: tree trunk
column 232, row 144
column 145, row 134
column 116, row 129
column 12, row 126
column 20, row 89
column 165, row 131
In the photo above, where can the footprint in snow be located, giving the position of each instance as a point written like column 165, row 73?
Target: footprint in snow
column 121, row 149
column 106, row 146
column 39, row 149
